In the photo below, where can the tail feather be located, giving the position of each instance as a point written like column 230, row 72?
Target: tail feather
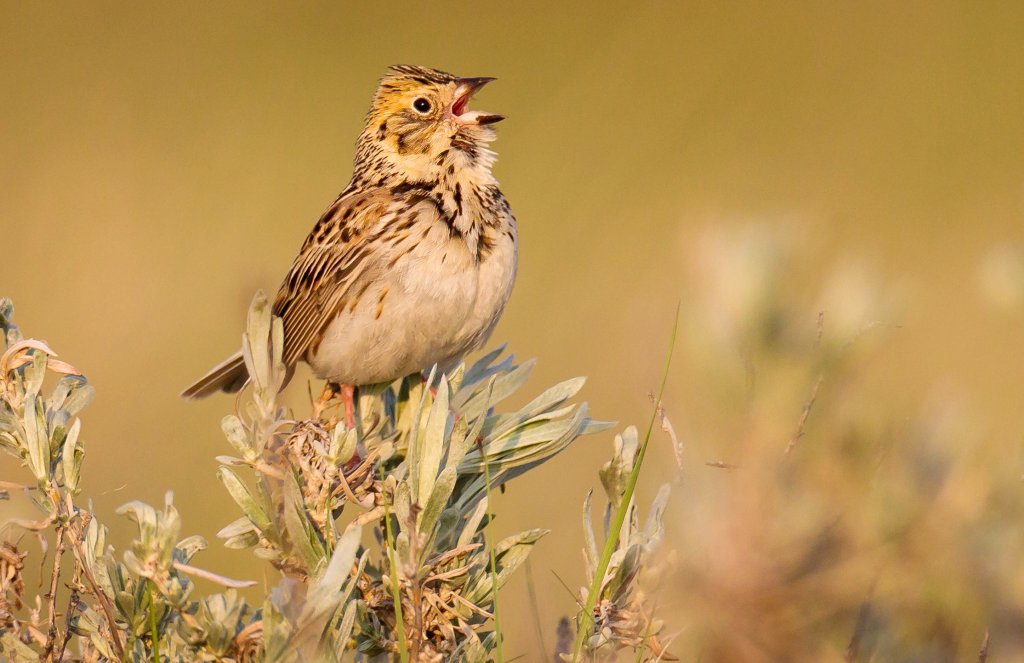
column 228, row 376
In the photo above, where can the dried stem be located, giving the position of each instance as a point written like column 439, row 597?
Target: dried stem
column 104, row 601
column 535, row 604
column 51, row 596
column 853, row 649
column 68, row 617
column 983, row 654
column 804, row 416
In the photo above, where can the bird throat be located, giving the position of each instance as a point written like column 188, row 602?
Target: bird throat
column 456, row 179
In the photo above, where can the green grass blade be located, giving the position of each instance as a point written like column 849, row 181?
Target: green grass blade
column 499, row 640
column 586, row 622
column 396, row 595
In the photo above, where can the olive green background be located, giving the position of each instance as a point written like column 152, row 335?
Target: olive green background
column 160, row 162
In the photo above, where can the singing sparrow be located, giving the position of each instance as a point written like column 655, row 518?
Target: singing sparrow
column 412, row 264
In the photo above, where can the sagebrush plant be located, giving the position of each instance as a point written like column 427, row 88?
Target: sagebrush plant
column 416, row 471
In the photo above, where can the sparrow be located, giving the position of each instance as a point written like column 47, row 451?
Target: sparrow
column 413, row 263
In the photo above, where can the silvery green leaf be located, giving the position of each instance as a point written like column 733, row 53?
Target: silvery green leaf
column 234, row 430
column 590, row 549
column 189, row 546
column 7, row 314
column 528, row 445
column 527, row 538
column 304, row 538
column 257, row 340
column 447, row 527
column 455, row 377
column 509, row 554
column 414, row 447
column 472, row 649
column 71, row 457
column 654, row 528
column 245, row 500
column 125, row 602
column 475, row 489
column 513, row 444
column 406, row 407
column 353, row 580
column 95, row 549
column 343, row 444
column 11, row 444
column 42, row 501
column 60, row 392
column 498, row 426
column 482, row 369
column 459, row 442
column 56, row 429
column 542, row 406
column 344, row 631
column 438, row 499
column 403, row 501
column 277, row 351
column 625, row 572
column 325, row 593
column 80, row 395
column 423, row 470
column 591, row 426
column 35, row 373
column 615, row 473
column 15, row 650
column 240, row 526
column 472, row 404
column 402, row 548
column 242, row 541
column 231, row 461
column 36, row 442
column 473, row 520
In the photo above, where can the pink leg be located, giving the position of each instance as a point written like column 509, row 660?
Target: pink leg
column 348, row 392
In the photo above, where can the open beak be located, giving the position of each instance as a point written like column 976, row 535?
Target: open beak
column 465, row 88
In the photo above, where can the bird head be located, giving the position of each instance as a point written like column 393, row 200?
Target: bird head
column 420, row 122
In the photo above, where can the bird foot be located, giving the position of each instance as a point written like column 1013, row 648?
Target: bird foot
column 326, row 400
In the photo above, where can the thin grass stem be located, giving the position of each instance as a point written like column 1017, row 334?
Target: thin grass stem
column 535, row 604
column 154, row 631
column 586, row 622
column 499, row 640
column 396, row 595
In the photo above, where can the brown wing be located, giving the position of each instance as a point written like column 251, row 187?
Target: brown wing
column 340, row 254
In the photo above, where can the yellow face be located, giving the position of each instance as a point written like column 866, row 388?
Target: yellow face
column 420, row 117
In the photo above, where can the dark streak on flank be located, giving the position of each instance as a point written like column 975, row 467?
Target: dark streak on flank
column 485, row 244
column 413, row 185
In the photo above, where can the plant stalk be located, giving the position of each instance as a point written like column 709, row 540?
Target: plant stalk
column 586, row 623
column 396, row 594
column 51, row 596
column 499, row 640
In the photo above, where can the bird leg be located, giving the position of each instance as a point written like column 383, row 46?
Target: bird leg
column 348, row 393
column 331, row 389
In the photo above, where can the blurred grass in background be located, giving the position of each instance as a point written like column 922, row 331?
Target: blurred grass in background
column 763, row 164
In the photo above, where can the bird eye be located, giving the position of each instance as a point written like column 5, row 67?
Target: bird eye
column 421, row 105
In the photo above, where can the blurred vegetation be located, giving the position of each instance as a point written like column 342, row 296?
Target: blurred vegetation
column 763, row 163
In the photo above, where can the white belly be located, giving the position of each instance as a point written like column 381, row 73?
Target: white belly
column 435, row 305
